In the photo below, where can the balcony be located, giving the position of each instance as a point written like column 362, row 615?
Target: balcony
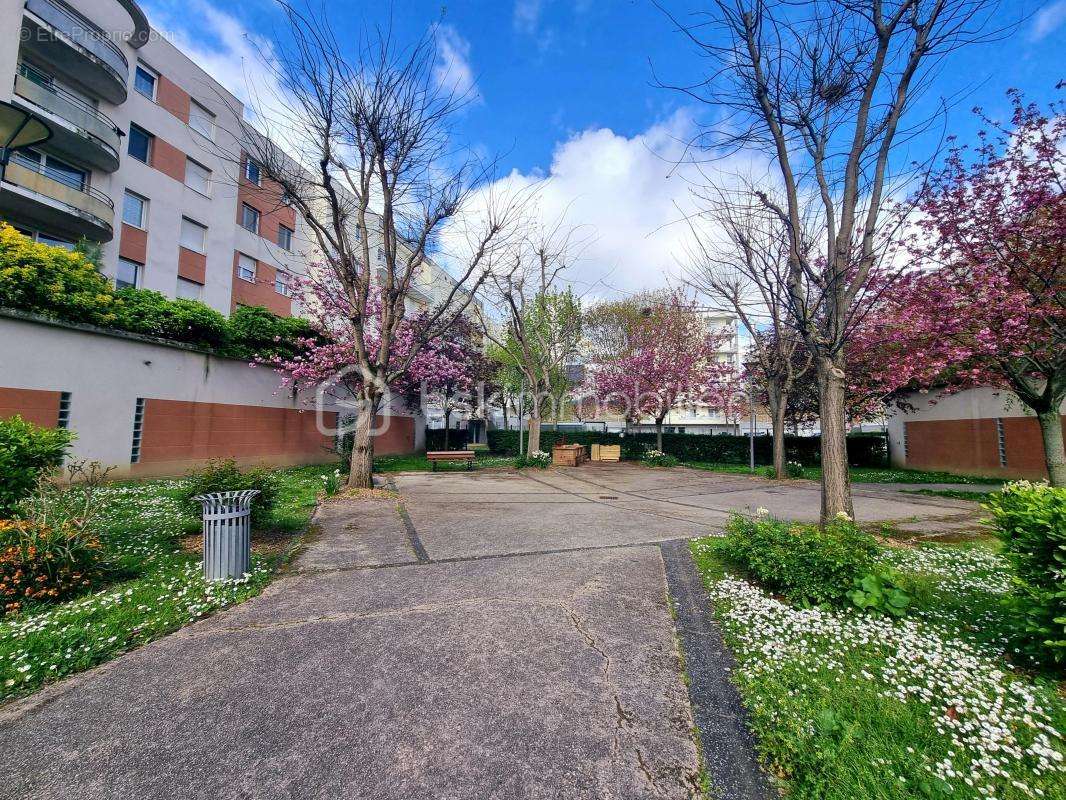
column 75, row 47
column 46, row 198
column 80, row 133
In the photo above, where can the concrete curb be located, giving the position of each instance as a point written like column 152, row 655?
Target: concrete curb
column 727, row 743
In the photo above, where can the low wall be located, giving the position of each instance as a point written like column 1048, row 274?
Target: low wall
column 152, row 408
column 975, row 432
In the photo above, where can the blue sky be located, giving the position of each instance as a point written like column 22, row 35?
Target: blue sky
column 566, row 89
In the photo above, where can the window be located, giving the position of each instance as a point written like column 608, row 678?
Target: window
column 53, row 241
column 140, row 144
column 381, row 256
column 52, row 167
column 252, row 172
column 281, row 283
column 249, row 218
column 189, row 290
column 201, row 120
column 284, row 237
column 193, row 235
column 144, row 81
column 134, row 210
column 197, row 177
column 128, row 275
column 358, row 234
column 246, row 268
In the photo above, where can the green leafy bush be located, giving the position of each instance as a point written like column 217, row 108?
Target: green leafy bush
column 807, row 564
column 537, row 458
column 657, row 458
column 1030, row 520
column 255, row 331
column 27, row 452
column 793, row 469
column 52, row 281
column 152, row 314
column 223, row 475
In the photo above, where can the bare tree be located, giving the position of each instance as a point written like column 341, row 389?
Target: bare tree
column 824, row 88
column 739, row 261
column 541, row 328
column 369, row 164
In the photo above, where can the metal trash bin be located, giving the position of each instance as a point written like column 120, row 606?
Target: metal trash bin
column 227, row 533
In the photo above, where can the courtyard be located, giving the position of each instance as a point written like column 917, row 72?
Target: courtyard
column 493, row 634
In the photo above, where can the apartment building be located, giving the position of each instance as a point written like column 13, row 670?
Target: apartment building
column 143, row 158
column 146, row 160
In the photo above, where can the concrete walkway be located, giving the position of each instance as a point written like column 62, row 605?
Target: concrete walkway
column 494, row 635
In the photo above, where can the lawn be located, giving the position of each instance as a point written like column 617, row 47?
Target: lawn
column 860, row 474
column 846, row 705
column 416, row 462
column 953, row 494
column 155, row 583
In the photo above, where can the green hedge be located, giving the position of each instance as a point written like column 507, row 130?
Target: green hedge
column 864, row 450
column 27, row 452
column 457, row 440
column 60, row 284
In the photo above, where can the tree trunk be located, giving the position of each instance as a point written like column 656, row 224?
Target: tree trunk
column 659, row 433
column 836, row 484
column 778, row 402
column 533, row 440
column 361, row 474
column 1054, row 450
column 447, row 422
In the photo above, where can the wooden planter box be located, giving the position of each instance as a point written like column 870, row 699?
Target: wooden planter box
column 606, row 452
column 568, row 455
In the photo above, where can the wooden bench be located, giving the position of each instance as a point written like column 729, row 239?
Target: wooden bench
column 433, row 456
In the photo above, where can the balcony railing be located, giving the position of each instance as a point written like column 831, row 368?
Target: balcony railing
column 89, row 205
column 83, row 33
column 41, row 90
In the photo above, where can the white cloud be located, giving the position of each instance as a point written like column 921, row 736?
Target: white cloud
column 628, row 194
column 452, row 70
column 1047, row 20
column 527, row 15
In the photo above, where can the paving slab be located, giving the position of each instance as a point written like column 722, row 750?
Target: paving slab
column 532, row 677
column 356, row 533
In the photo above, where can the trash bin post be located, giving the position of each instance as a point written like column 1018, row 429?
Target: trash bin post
column 227, row 533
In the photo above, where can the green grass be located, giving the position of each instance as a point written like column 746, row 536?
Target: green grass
column 155, row 586
column 953, row 494
column 845, row 705
column 416, row 462
column 859, row 474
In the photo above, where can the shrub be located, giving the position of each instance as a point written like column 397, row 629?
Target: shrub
column 793, row 469
column 537, row 458
column 657, row 458
column 150, row 313
column 223, row 475
column 52, row 281
column 807, row 564
column 255, row 331
column 1030, row 520
column 53, row 551
column 881, row 592
column 457, row 440
column 27, row 452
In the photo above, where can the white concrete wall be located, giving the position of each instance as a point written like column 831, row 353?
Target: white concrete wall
column 106, row 373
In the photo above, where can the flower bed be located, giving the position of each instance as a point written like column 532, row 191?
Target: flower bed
column 154, row 585
column 845, row 704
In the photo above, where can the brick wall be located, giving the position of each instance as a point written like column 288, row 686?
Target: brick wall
column 33, row 405
column 971, row 446
column 399, row 438
column 177, row 433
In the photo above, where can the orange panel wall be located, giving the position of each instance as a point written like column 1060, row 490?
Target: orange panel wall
column 972, row 446
column 192, row 265
column 133, row 244
column 33, row 405
column 178, row 432
column 398, row 439
column 168, row 159
column 173, row 98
